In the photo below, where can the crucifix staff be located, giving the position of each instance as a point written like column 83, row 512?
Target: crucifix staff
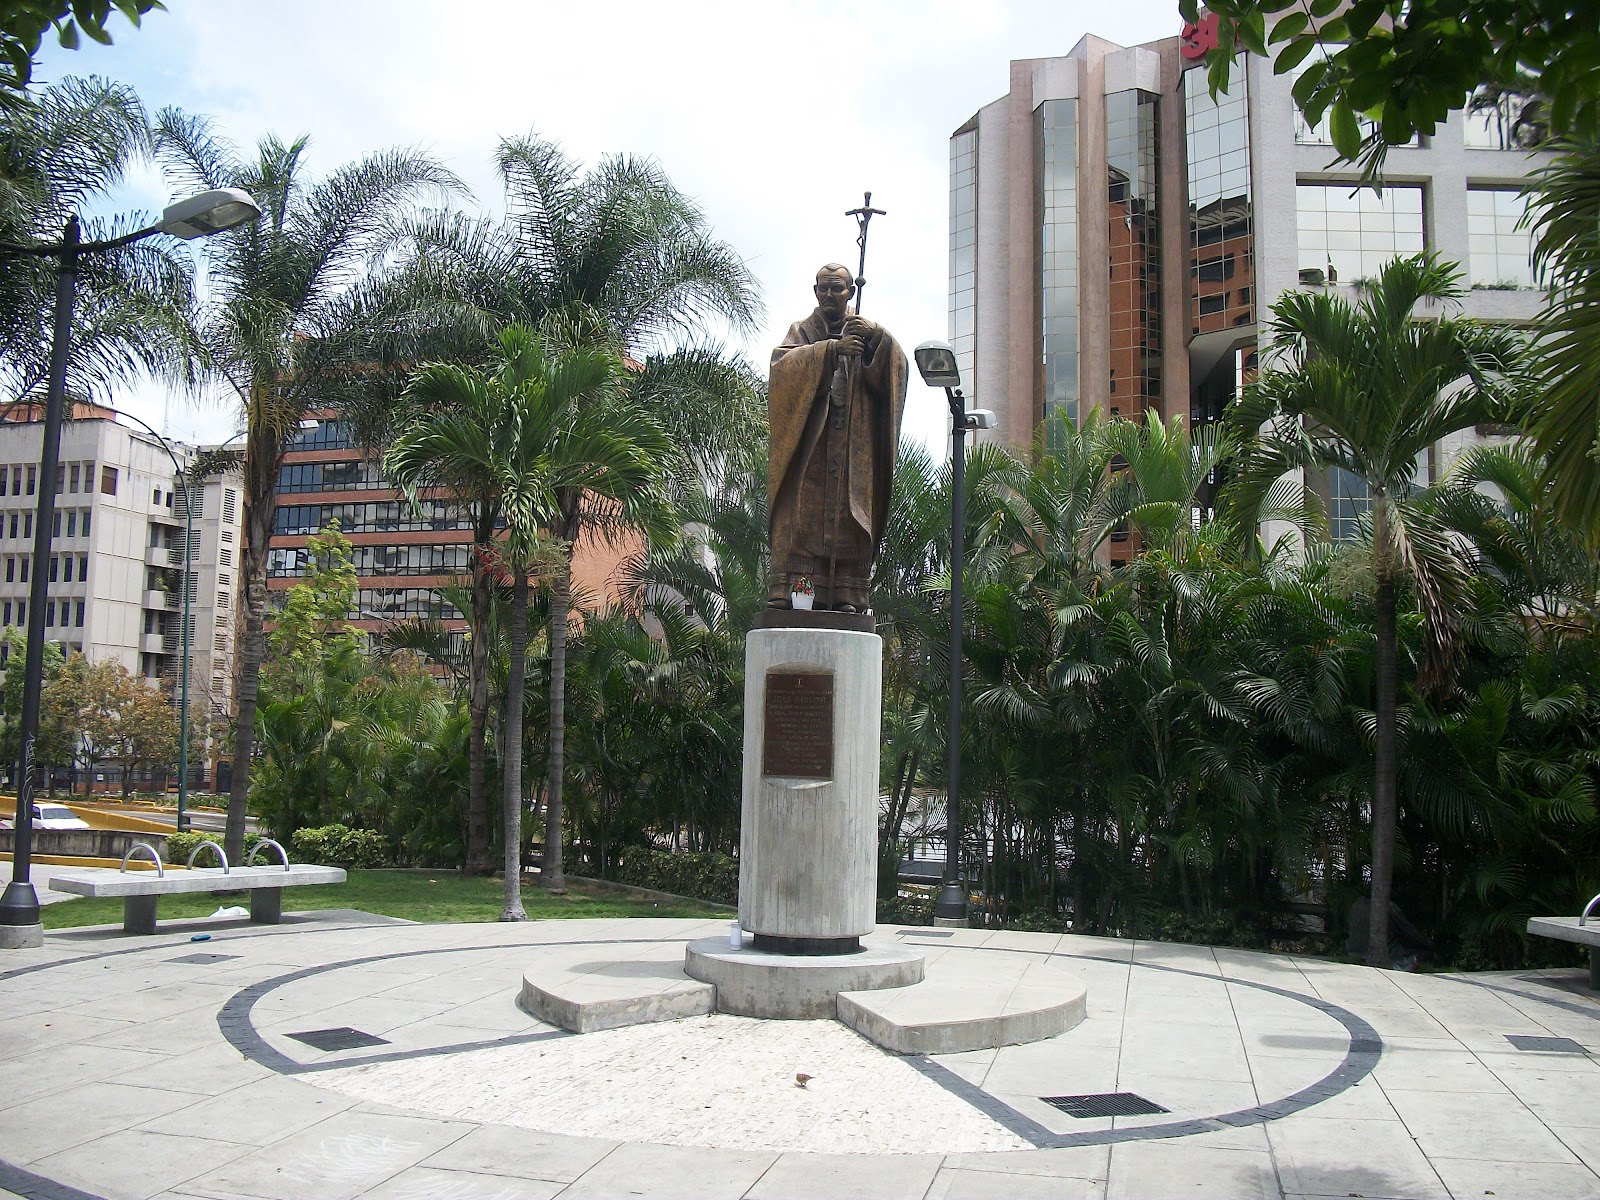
column 850, row 367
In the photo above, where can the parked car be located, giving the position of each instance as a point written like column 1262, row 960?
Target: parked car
column 56, row 816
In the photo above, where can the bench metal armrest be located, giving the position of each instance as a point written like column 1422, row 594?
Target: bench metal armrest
column 1587, row 909
column 148, row 849
column 202, row 846
column 282, row 853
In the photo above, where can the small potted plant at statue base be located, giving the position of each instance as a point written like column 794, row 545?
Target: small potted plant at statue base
column 804, row 594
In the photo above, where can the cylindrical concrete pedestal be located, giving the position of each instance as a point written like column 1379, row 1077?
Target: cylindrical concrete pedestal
column 808, row 864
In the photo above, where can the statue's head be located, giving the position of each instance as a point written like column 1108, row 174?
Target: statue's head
column 835, row 285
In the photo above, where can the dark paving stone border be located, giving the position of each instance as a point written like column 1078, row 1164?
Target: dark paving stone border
column 36, row 1187
column 1362, row 1055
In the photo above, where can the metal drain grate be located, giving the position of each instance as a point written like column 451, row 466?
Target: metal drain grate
column 927, row 933
column 1557, row 1045
column 1107, row 1104
column 203, row 958
column 338, row 1039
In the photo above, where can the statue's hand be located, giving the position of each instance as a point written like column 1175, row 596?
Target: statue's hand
column 852, row 345
column 868, row 331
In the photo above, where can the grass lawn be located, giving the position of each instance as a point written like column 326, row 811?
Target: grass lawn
column 412, row 895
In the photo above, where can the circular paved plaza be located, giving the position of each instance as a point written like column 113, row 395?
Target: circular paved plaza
column 341, row 1055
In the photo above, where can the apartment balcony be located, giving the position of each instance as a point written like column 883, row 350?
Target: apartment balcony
column 157, row 599
column 153, row 643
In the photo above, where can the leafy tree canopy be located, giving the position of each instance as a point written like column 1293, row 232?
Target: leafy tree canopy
column 23, row 24
column 1405, row 64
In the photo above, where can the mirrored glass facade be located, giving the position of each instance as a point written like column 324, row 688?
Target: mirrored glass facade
column 1347, row 232
column 1221, row 225
column 964, row 252
column 1134, row 229
column 1501, row 247
column 330, row 477
column 417, row 559
column 1058, row 256
column 383, row 516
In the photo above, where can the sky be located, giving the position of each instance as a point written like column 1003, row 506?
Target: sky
column 773, row 115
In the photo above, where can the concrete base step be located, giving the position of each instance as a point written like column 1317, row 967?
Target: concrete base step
column 579, row 993
column 1017, row 999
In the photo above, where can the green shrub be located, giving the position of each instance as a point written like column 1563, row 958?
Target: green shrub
column 713, row 877
column 340, row 846
column 905, row 910
column 181, row 845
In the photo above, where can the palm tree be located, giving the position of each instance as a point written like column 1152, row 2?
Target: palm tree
column 523, row 439
column 1566, row 201
column 1368, row 389
column 66, row 144
column 276, row 327
column 623, row 260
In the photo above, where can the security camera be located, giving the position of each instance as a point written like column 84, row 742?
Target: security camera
column 981, row 418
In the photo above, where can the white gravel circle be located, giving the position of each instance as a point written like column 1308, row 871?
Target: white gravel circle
column 716, row 1081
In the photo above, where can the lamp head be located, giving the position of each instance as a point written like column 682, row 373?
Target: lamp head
column 936, row 362
column 208, row 213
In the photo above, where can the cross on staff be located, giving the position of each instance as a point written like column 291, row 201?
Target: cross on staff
column 863, row 216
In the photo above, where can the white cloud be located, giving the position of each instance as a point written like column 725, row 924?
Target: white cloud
column 774, row 115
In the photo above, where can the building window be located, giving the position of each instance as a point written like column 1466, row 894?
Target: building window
column 108, row 480
column 55, row 567
column 66, row 569
column 13, row 524
column 1058, row 257
column 1221, row 207
column 1500, row 120
column 1348, row 232
column 33, row 479
column 1349, row 502
column 50, row 614
column 27, row 525
column 22, row 611
column 8, row 612
column 86, row 513
column 27, row 565
column 324, row 435
column 61, row 479
column 1320, row 136
column 83, row 568
column 55, row 524
column 11, row 570
column 5, row 476
column 1133, row 226
column 1499, row 239
column 72, row 524
column 72, row 478
column 964, row 251
column 230, row 502
column 78, row 615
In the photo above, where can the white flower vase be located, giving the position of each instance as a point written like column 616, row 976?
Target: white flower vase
column 801, row 600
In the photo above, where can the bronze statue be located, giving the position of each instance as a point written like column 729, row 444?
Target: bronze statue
column 836, row 392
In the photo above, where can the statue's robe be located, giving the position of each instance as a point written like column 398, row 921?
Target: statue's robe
column 835, row 428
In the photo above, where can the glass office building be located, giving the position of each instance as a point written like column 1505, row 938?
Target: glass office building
column 1214, row 207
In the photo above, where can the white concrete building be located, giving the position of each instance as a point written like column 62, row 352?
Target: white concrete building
column 116, row 562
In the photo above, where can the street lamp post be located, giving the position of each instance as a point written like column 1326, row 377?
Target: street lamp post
column 198, row 216
column 936, row 362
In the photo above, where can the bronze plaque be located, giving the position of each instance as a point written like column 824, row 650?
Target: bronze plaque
column 798, row 740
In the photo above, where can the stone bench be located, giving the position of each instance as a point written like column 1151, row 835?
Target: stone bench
column 141, row 889
column 1572, row 929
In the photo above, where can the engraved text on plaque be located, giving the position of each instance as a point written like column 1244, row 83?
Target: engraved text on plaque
column 798, row 739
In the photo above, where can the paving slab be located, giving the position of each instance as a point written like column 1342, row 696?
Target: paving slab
column 129, row 1074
